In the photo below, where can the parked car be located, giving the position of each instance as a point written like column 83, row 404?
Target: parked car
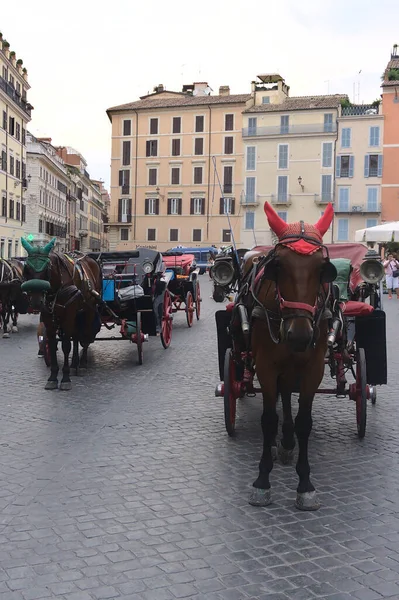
column 202, row 255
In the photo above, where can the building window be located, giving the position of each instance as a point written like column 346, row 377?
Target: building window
column 151, row 206
column 251, row 158
column 152, row 176
column 197, row 235
column 372, row 199
column 252, row 125
column 343, row 199
column 199, row 124
column 283, row 214
column 11, row 209
column 151, row 148
column 174, row 233
column 229, row 123
column 283, row 156
column 346, row 136
column 371, row 222
column 175, row 176
column 126, row 153
column 151, row 235
column 227, row 206
column 16, row 243
column 227, row 180
column 127, row 130
column 9, row 244
column 250, row 189
column 18, row 213
column 23, row 136
column 374, row 136
column 11, row 125
column 373, row 165
column 4, row 206
column 343, row 230
column 326, row 188
column 284, row 124
column 125, row 230
column 249, row 220
column 154, row 126
column 226, row 236
column 18, row 131
column 199, row 146
column 174, row 206
column 3, row 160
column 282, row 188
column 2, row 243
column 18, row 169
column 176, row 147
column 4, row 120
column 176, row 128
column 228, row 145
column 328, row 122
column 265, row 99
column 124, row 211
column 124, row 181
column 197, row 206
column 11, row 165
column 197, row 175
column 327, row 154
column 345, row 166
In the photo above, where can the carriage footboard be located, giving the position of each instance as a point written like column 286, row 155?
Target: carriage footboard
column 371, row 335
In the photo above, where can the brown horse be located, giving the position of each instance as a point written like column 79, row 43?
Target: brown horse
column 66, row 290
column 289, row 343
column 11, row 297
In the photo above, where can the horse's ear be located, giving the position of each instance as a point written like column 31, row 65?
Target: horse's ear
column 48, row 247
column 328, row 272
column 26, row 245
column 325, row 221
column 276, row 223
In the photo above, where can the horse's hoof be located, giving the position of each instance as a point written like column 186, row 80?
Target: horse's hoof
column 65, row 386
column 307, row 501
column 14, row 329
column 274, row 453
column 285, row 455
column 6, row 336
column 51, row 385
column 260, row 497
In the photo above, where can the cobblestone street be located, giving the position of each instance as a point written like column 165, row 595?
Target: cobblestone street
column 129, row 487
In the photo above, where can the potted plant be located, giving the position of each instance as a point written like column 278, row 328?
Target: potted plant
column 20, row 62
column 6, row 48
column 391, row 75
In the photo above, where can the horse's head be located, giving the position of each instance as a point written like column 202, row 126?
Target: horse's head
column 299, row 269
column 37, row 272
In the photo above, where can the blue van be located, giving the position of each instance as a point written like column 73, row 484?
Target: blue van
column 202, row 255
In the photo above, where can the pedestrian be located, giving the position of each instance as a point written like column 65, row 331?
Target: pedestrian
column 391, row 265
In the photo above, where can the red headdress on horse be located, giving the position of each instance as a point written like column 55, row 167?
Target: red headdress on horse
column 296, row 235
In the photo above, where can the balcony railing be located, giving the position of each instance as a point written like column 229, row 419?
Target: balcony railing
column 12, row 93
column 358, row 208
column 282, row 199
column 249, row 200
column 324, row 198
column 360, row 110
column 307, row 128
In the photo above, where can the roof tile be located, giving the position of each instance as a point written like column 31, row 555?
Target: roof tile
column 300, row 103
column 180, row 100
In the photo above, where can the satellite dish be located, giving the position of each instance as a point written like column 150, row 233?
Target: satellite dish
column 207, row 90
column 195, row 92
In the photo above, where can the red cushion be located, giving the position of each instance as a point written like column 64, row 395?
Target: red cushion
column 230, row 306
column 352, row 308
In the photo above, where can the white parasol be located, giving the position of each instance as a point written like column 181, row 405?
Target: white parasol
column 386, row 232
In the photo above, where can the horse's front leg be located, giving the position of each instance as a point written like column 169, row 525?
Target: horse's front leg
column 287, row 444
column 52, row 382
column 261, row 493
column 66, row 348
column 75, row 356
column 14, row 317
column 306, row 498
column 6, row 320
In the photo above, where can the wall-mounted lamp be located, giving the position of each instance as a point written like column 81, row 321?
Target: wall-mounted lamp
column 158, row 193
column 300, row 182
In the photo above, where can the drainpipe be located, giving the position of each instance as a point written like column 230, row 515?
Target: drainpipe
column 135, row 178
column 209, row 174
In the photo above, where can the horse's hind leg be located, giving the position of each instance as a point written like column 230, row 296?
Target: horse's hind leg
column 6, row 319
column 83, row 358
column 52, row 382
column 14, row 316
column 75, row 356
column 287, row 445
column 66, row 348
column 306, row 495
column 261, row 494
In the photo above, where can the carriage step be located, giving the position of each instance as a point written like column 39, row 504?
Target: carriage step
column 219, row 391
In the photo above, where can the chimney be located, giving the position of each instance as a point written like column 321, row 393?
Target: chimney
column 201, row 88
column 44, row 139
column 159, row 88
column 224, row 90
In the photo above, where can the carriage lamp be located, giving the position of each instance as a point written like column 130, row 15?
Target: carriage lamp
column 147, row 267
column 223, row 272
column 371, row 268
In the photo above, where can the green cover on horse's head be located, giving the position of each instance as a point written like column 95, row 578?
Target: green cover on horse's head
column 38, row 256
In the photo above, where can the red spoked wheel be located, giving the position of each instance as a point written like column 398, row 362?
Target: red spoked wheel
column 361, row 392
column 167, row 320
column 189, row 309
column 139, row 339
column 232, row 391
column 197, row 300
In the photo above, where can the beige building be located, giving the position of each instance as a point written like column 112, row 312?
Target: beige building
column 289, row 145
column 358, row 170
column 15, row 114
column 164, row 190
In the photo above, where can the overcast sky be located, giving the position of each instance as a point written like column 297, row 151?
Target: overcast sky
column 85, row 56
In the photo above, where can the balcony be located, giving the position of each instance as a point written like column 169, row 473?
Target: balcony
column 249, row 200
column 12, row 93
column 305, row 129
column 324, row 198
column 360, row 110
column 281, row 199
column 358, row 209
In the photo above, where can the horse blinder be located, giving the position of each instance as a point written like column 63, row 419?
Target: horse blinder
column 328, row 272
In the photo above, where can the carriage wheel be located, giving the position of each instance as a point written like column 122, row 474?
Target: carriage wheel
column 230, row 392
column 167, row 321
column 197, row 300
column 139, row 339
column 46, row 349
column 361, row 393
column 189, row 309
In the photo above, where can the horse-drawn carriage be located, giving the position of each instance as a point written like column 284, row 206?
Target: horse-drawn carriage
column 135, row 296
column 184, row 287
